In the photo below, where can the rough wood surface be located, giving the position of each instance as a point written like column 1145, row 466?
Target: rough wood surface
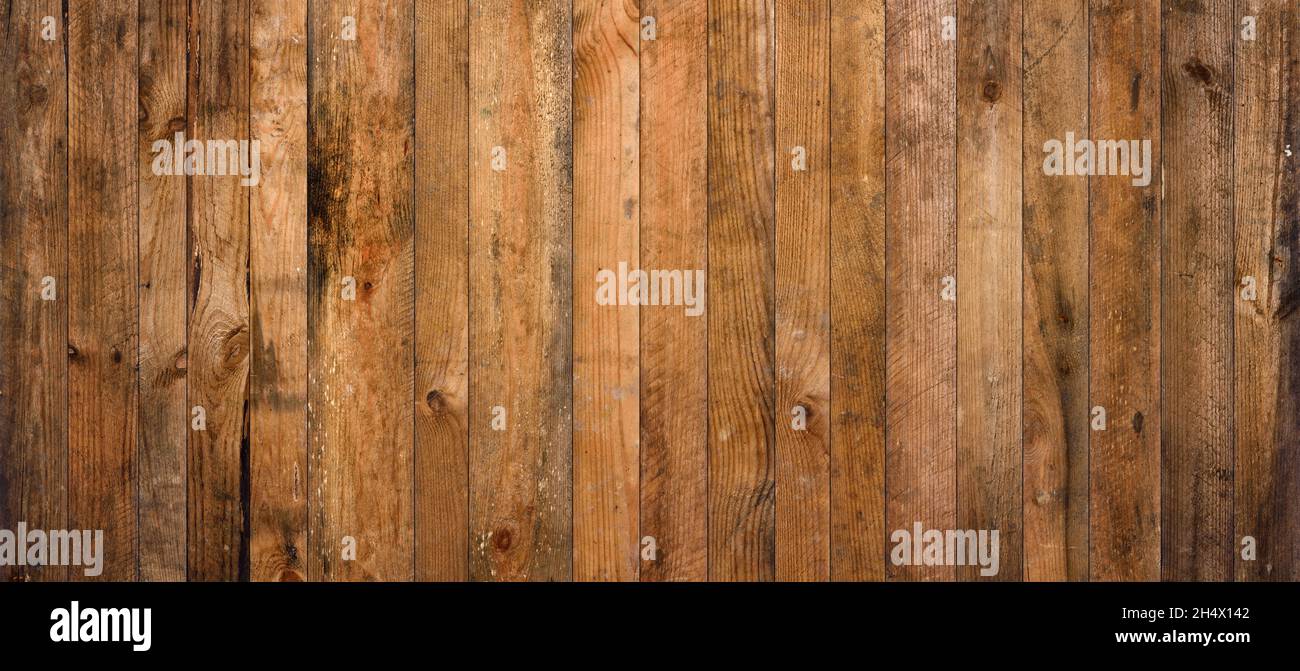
column 361, row 235
column 33, row 247
column 521, row 291
column 920, row 252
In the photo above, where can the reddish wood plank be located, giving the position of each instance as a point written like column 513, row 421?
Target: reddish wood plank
column 803, row 317
column 360, row 238
column 606, row 338
column 921, row 346
column 674, row 235
column 521, row 291
column 441, row 290
column 742, row 524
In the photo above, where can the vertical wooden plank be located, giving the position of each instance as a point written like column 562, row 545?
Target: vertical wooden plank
column 33, row 247
column 989, row 277
column 920, row 252
column 278, row 221
column 1267, row 135
column 674, row 235
column 441, row 290
column 606, row 338
column 742, row 524
column 1197, row 277
column 803, row 290
column 218, row 335
column 164, row 416
column 857, row 118
column 360, row 233
column 102, row 278
column 520, row 291
column 1055, row 329
column 1125, row 297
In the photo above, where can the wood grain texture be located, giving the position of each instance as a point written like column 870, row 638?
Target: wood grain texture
column 857, row 287
column 521, row 522
column 164, row 295
column 742, row 520
column 361, row 109
column 441, row 290
column 1056, row 362
column 218, row 285
column 1267, row 329
column 1125, row 297
column 102, row 279
column 33, row 247
column 674, row 235
column 803, row 311
column 920, row 250
column 606, row 338
column 990, row 390
column 1196, row 294
column 399, row 344
column 278, row 275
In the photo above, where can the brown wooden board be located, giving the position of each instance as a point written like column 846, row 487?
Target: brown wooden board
column 803, row 310
column 606, row 338
column 441, row 290
column 1124, row 295
column 1055, row 330
column 278, row 480
column 521, row 291
column 33, row 276
column 1196, row 293
column 218, row 288
column 360, row 289
column 164, row 295
column 674, row 345
column 742, row 460
column 1267, row 323
column 990, row 390
column 857, row 288
column 921, row 265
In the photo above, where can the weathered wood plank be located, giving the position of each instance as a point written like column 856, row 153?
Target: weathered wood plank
column 921, row 330
column 606, row 338
column 33, row 252
column 1055, row 296
column 742, row 524
column 803, row 318
column 102, row 278
column 164, row 415
column 278, row 220
column 990, row 389
column 674, row 235
column 441, row 290
column 1124, row 296
column 1267, row 325
column 857, row 165
column 521, row 291
column 218, row 285
column 1196, row 296
column 360, row 238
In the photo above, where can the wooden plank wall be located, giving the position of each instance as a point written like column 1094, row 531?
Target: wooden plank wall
column 620, row 290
